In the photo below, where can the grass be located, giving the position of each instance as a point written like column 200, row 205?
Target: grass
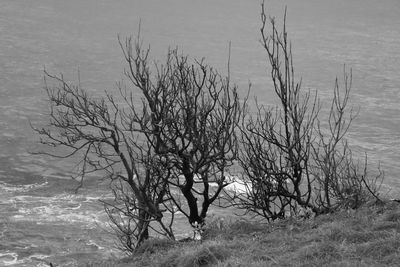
column 369, row 236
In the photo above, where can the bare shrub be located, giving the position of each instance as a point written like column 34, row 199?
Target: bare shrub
column 277, row 141
column 341, row 180
column 290, row 161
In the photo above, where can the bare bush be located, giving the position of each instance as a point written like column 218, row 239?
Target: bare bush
column 290, row 161
column 341, row 180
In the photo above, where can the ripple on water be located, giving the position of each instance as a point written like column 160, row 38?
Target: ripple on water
column 32, row 244
column 7, row 187
column 39, row 224
column 63, row 208
column 9, row 258
column 12, row 259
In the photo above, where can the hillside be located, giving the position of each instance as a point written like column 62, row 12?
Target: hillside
column 369, row 236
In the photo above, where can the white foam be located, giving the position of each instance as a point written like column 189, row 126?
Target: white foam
column 9, row 258
column 55, row 213
column 231, row 178
column 91, row 199
column 80, row 217
column 20, row 188
column 74, row 208
column 92, row 243
column 239, row 187
column 60, row 198
column 39, row 256
column 62, row 208
column 213, row 184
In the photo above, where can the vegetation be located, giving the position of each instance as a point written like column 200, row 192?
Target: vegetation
column 291, row 159
column 167, row 139
column 172, row 129
column 368, row 236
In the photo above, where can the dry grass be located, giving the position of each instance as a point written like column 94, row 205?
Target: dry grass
column 208, row 254
column 369, row 236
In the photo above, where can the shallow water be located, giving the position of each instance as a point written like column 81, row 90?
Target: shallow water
column 41, row 219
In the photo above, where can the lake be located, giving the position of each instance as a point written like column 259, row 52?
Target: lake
column 41, row 220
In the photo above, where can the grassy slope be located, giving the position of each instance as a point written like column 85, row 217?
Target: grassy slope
column 367, row 237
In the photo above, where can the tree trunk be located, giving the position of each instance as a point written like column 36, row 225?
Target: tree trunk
column 143, row 226
column 187, row 193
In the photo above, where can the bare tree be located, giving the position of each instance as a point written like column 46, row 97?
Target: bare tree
column 277, row 142
column 129, row 217
column 289, row 160
column 341, row 181
column 193, row 112
column 108, row 140
column 168, row 134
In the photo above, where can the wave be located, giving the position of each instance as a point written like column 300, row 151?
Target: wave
column 94, row 244
column 9, row 259
column 62, row 208
column 12, row 258
column 239, row 187
column 21, row 188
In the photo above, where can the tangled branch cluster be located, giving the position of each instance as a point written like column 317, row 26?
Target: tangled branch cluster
column 168, row 139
